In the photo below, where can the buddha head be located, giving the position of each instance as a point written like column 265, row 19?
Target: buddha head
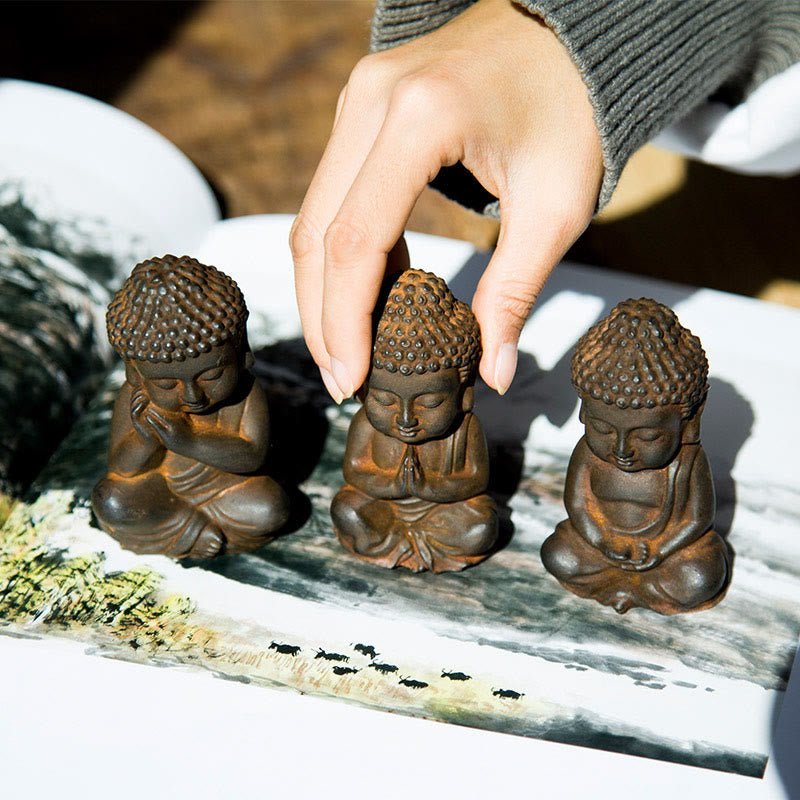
column 180, row 327
column 424, row 360
column 642, row 379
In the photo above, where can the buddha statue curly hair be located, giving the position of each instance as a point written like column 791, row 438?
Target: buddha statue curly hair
column 423, row 328
column 171, row 309
column 640, row 356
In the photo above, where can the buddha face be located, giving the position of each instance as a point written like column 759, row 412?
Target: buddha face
column 632, row 439
column 414, row 408
column 193, row 386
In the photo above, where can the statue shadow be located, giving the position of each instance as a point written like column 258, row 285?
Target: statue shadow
column 727, row 424
column 506, row 421
column 536, row 391
column 298, row 424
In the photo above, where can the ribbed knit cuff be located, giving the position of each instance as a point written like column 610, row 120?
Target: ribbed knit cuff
column 645, row 63
column 398, row 21
column 648, row 62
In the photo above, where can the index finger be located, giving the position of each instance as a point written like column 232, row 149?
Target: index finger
column 407, row 154
column 359, row 118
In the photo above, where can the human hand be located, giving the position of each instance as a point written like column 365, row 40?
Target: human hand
column 493, row 89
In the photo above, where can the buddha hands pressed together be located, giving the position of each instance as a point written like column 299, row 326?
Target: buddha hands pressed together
column 190, row 427
column 416, row 462
column 639, row 492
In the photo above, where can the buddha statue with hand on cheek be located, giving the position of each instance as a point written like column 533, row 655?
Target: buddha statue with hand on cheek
column 416, row 462
column 190, row 427
column 639, row 492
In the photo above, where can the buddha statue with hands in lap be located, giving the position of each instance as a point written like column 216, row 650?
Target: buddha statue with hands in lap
column 190, row 427
column 639, row 492
column 416, row 462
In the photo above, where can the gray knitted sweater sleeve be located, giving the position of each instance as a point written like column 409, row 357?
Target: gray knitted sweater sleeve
column 645, row 63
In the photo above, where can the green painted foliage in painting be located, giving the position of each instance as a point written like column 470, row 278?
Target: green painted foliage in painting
column 42, row 586
column 6, row 504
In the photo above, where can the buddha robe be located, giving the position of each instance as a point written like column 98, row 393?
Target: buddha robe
column 414, row 532
column 692, row 578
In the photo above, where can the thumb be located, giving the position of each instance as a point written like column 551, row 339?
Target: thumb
column 532, row 241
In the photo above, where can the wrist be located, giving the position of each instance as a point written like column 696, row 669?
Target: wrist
column 646, row 65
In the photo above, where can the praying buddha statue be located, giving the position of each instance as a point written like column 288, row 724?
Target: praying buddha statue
column 190, row 427
column 639, row 492
column 416, row 464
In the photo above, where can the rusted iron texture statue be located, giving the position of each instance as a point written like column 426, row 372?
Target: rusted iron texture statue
column 639, row 493
column 190, row 427
column 416, row 463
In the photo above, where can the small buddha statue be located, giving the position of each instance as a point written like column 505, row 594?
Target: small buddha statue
column 190, row 426
column 639, row 493
column 416, row 464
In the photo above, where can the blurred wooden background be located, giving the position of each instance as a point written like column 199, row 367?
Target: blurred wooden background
column 247, row 89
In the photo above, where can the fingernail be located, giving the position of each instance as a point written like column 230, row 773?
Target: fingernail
column 330, row 385
column 342, row 378
column 505, row 367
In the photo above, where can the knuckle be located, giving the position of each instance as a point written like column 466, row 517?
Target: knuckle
column 344, row 242
column 515, row 311
column 370, row 71
column 301, row 238
column 420, row 94
column 516, row 301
